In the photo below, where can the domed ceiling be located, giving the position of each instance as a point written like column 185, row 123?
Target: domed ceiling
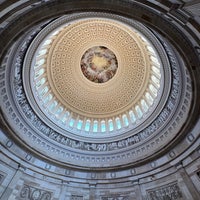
column 100, row 88
column 111, row 85
column 99, row 100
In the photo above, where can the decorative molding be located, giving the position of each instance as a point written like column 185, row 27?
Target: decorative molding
column 170, row 191
column 76, row 197
column 2, row 176
column 9, row 144
column 32, row 193
column 116, row 197
column 74, row 99
column 33, row 129
column 35, row 121
column 72, row 132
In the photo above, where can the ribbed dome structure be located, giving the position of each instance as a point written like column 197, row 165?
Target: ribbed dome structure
column 99, row 100
column 85, row 107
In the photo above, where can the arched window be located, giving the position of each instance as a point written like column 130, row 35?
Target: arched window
column 53, row 105
column 55, row 33
column 155, row 80
column 149, row 98
column 59, row 111
column 132, row 116
column 144, row 105
column 42, row 52
column 139, row 112
column 110, row 125
column 156, row 71
column 155, row 60
column 87, row 125
column 103, row 126
column 143, row 38
column 125, row 120
column 48, row 98
column 44, row 91
column 150, row 49
column 79, row 124
column 153, row 90
column 118, row 123
column 71, row 122
column 40, row 62
column 39, row 73
column 95, row 126
column 47, row 42
column 40, row 82
column 65, row 117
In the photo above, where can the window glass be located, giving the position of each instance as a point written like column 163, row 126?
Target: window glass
column 149, row 98
column 48, row 98
column 95, row 126
column 144, row 105
column 47, row 42
column 125, row 120
column 40, row 62
column 71, row 122
column 150, row 49
column 59, row 111
column 42, row 52
column 41, row 82
column 118, row 123
column 79, row 124
column 139, row 112
column 39, row 73
column 156, row 71
column 87, row 125
column 110, row 125
column 132, row 116
column 155, row 60
column 103, row 126
column 53, row 105
column 155, row 80
column 153, row 90
column 65, row 116
column 44, row 91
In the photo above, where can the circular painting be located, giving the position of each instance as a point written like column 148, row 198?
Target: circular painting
column 99, row 64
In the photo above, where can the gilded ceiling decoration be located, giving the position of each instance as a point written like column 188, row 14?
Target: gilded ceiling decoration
column 99, row 100
column 97, row 75
column 102, row 123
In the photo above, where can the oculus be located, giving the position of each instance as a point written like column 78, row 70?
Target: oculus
column 99, row 64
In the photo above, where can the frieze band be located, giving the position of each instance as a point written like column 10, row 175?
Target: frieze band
column 131, row 141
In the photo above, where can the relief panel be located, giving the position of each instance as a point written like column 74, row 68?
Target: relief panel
column 33, row 193
column 76, row 197
column 169, row 192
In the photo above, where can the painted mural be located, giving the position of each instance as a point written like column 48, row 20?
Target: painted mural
column 99, row 64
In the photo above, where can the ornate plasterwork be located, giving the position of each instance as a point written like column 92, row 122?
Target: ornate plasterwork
column 75, row 104
column 95, row 100
column 47, row 139
column 170, row 191
column 76, row 197
column 106, row 146
column 29, row 192
column 116, row 197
